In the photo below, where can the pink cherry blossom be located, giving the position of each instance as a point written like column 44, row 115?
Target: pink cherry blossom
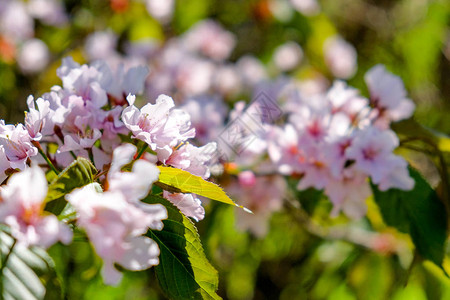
column 340, row 57
column 388, row 96
column 193, row 159
column 209, row 38
column 22, row 210
column 38, row 119
column 188, row 204
column 33, row 56
column 207, row 117
column 16, row 144
column 158, row 125
column 349, row 192
column 372, row 151
column 288, row 56
column 263, row 198
column 115, row 228
column 136, row 184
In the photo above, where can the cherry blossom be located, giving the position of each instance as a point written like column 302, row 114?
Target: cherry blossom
column 388, row 96
column 188, row 204
column 115, row 228
column 22, row 209
column 263, row 195
column 158, row 125
column 340, row 57
column 16, row 145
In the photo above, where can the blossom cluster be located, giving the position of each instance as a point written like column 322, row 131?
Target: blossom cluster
column 335, row 140
column 93, row 115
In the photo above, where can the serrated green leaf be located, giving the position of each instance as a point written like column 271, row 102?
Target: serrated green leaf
column 184, row 182
column 418, row 212
column 79, row 173
column 183, row 272
column 28, row 273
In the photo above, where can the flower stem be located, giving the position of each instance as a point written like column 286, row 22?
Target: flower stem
column 50, row 164
column 141, row 151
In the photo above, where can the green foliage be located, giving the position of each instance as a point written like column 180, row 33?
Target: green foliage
column 418, row 212
column 79, row 173
column 26, row 273
column 188, row 12
column 185, row 182
column 422, row 43
column 183, row 272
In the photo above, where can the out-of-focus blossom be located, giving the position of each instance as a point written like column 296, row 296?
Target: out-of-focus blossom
column 348, row 101
column 288, row 56
column 227, row 80
column 348, row 192
column 15, row 22
column 281, row 10
column 340, row 57
column 306, row 7
column 372, row 151
column 143, row 48
column 331, row 142
column 207, row 117
column 263, row 196
column 210, row 39
column 284, row 149
column 33, row 56
column 101, row 45
column 188, row 204
column 194, row 76
column 388, row 96
column 121, row 81
column 50, row 12
column 161, row 10
column 22, row 208
column 251, row 70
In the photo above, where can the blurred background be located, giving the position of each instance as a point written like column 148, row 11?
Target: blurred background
column 222, row 50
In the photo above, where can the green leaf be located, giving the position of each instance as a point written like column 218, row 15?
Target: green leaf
column 180, row 181
column 188, row 12
column 79, row 173
column 183, row 272
column 418, row 212
column 28, row 273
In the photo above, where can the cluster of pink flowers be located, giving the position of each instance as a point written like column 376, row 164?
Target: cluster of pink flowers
column 89, row 116
column 336, row 139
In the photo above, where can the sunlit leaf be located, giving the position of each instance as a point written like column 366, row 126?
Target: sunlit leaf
column 184, row 182
column 183, row 272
